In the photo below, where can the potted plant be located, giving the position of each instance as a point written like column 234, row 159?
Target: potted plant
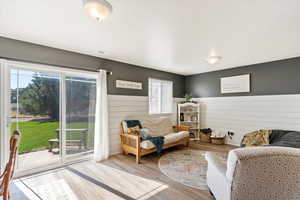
column 188, row 97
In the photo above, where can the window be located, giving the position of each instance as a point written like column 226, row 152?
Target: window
column 160, row 96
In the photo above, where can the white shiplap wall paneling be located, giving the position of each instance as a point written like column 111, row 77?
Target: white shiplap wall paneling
column 249, row 113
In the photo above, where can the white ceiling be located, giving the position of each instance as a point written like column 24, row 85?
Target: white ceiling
column 170, row 35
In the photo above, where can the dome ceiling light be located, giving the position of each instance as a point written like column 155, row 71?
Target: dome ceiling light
column 97, row 9
column 213, row 59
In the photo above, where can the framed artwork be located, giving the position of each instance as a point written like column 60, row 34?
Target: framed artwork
column 235, row 84
column 129, row 85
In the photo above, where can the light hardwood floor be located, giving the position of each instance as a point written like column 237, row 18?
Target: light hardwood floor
column 116, row 178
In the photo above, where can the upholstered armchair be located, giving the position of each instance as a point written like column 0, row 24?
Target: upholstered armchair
column 262, row 173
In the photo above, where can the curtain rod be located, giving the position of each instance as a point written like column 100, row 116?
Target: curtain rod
column 107, row 72
column 63, row 66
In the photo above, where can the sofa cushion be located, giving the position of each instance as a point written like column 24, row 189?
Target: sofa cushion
column 170, row 138
column 160, row 127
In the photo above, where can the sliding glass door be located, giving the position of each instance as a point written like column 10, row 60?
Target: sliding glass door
column 80, row 115
column 35, row 112
column 53, row 109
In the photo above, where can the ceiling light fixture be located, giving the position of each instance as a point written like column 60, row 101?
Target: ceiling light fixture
column 213, row 59
column 97, row 9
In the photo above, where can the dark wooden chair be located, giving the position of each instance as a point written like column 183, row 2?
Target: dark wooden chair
column 8, row 173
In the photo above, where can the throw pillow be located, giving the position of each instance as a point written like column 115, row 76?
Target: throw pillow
column 129, row 124
column 145, row 133
column 133, row 130
column 256, row 138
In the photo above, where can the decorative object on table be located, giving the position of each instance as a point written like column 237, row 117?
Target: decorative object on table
column 189, row 115
column 235, row 84
column 218, row 137
column 187, row 167
column 205, row 135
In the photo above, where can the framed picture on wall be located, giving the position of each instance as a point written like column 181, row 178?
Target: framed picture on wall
column 235, row 84
column 129, row 85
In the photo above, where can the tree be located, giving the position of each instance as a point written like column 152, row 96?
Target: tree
column 41, row 97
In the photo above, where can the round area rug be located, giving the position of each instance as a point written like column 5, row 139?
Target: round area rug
column 187, row 167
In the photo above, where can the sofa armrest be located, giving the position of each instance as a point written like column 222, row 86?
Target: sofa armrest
column 133, row 137
column 181, row 128
column 131, row 140
column 128, row 147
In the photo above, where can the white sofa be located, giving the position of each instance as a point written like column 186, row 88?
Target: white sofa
column 263, row 173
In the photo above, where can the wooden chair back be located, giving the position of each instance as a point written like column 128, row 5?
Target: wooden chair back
column 8, row 173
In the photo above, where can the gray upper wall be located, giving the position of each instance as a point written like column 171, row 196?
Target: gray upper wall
column 28, row 52
column 272, row 78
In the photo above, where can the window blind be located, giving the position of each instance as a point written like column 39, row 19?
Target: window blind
column 160, row 96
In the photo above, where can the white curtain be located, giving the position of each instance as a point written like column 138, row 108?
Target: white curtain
column 101, row 143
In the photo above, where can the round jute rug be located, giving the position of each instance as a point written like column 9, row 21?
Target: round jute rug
column 187, row 167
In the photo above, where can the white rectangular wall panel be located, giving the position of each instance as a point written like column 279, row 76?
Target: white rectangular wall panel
column 235, row 84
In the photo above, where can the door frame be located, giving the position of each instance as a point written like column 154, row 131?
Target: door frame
column 5, row 67
column 4, row 107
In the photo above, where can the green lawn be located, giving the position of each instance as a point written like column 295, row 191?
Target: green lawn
column 35, row 135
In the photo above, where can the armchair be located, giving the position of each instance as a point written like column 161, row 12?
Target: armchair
column 262, row 173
